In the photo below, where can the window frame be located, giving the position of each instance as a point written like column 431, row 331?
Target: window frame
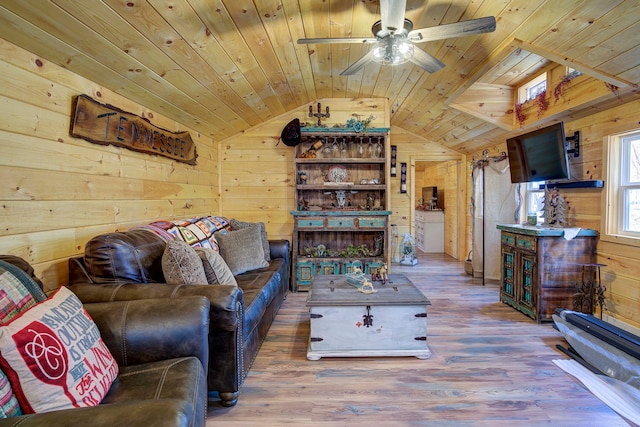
column 523, row 90
column 529, row 196
column 613, row 202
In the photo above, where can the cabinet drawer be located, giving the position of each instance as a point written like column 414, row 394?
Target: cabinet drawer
column 339, row 222
column 526, row 242
column 310, row 222
column 508, row 239
column 328, row 267
column 371, row 222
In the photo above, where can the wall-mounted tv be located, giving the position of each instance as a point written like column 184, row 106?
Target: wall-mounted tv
column 539, row 155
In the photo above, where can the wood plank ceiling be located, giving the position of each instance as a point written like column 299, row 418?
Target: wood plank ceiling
column 222, row 66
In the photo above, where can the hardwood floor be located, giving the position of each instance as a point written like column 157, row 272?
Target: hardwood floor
column 490, row 366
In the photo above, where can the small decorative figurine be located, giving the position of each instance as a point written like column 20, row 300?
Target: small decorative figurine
column 380, row 273
column 367, row 287
column 341, row 198
column 555, row 208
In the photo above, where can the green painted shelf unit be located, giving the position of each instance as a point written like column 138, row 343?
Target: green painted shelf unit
column 341, row 221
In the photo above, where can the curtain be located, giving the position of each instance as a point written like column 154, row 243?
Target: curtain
column 495, row 201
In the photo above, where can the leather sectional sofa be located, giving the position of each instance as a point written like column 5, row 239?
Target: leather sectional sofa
column 162, row 369
column 127, row 266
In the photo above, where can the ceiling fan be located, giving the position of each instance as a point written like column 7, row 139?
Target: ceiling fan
column 395, row 38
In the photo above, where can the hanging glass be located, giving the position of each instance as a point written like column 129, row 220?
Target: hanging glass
column 335, row 150
column 371, row 148
column 326, row 151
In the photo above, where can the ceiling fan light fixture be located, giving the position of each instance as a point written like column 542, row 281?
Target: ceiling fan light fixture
column 393, row 51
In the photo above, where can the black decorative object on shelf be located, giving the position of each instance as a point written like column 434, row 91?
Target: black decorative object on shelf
column 576, row 144
column 394, row 153
column 319, row 115
column 403, row 177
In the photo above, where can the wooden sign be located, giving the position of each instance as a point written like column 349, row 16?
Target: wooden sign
column 108, row 125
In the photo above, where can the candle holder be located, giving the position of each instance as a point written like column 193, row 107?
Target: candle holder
column 319, row 115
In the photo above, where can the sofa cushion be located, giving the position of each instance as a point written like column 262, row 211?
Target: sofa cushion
column 125, row 256
column 54, row 356
column 238, row 225
column 182, row 265
column 242, row 249
column 182, row 379
column 216, row 270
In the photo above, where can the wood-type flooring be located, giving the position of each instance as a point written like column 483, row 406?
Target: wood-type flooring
column 490, row 366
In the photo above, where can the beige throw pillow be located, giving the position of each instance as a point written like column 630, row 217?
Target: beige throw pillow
column 239, row 225
column 216, row 270
column 182, row 265
column 242, row 249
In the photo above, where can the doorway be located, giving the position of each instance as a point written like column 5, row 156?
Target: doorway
column 456, row 204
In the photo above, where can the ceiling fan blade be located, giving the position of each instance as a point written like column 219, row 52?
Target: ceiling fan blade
column 426, row 61
column 356, row 66
column 457, row 29
column 363, row 40
column 392, row 15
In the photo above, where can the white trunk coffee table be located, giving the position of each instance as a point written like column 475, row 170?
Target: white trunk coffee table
column 349, row 323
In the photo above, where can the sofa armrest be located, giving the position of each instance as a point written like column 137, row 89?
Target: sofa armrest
column 150, row 330
column 280, row 249
column 157, row 413
column 224, row 300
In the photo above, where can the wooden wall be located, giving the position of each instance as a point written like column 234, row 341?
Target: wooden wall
column 256, row 172
column 57, row 191
column 268, row 196
column 621, row 276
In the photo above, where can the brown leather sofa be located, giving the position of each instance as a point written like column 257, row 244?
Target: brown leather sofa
column 127, row 266
column 161, row 349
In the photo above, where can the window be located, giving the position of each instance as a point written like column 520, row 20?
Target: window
column 531, row 89
column 622, row 211
column 535, row 200
column 573, row 72
column 630, row 184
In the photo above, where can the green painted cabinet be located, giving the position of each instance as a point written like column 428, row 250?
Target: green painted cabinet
column 541, row 269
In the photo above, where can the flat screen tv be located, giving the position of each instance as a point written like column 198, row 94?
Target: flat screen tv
column 539, row 155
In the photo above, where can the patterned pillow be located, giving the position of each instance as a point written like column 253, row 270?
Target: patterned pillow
column 182, row 265
column 18, row 293
column 9, row 406
column 216, row 270
column 238, row 225
column 54, row 356
column 242, row 249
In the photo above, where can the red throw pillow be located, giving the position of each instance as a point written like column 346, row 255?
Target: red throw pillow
column 54, row 356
